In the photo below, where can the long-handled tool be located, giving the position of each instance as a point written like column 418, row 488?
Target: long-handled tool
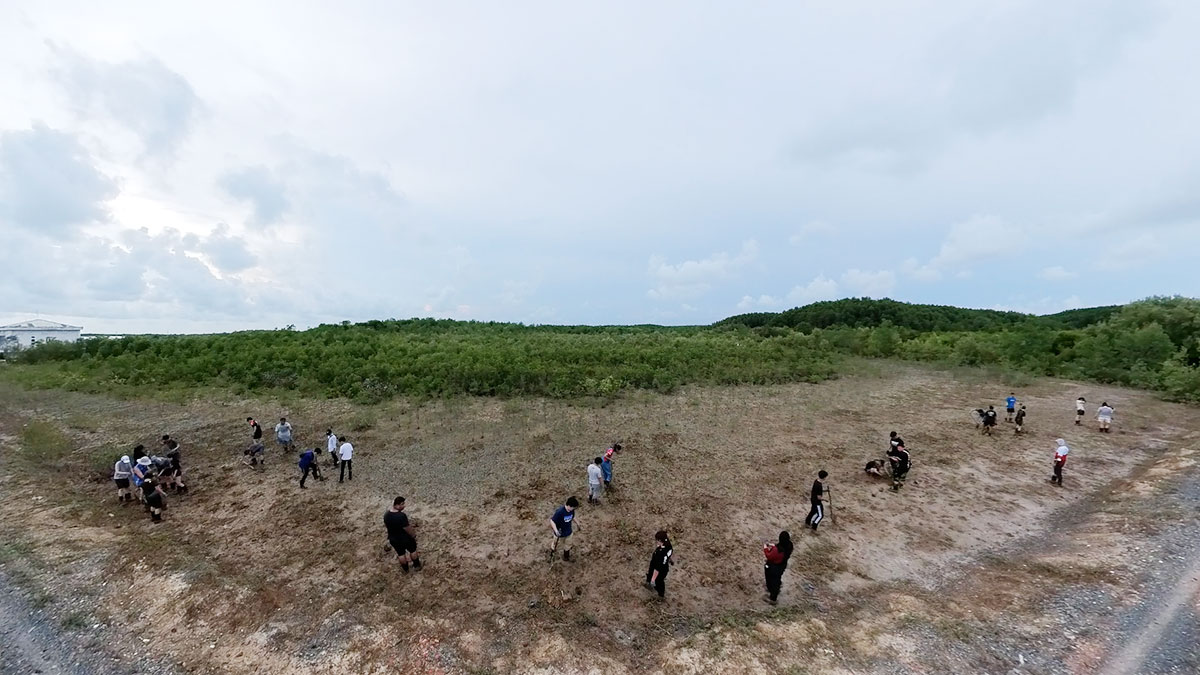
column 829, row 501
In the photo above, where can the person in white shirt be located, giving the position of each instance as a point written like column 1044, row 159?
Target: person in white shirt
column 283, row 433
column 1079, row 410
column 331, row 444
column 122, row 470
column 346, row 452
column 595, row 481
column 1104, row 416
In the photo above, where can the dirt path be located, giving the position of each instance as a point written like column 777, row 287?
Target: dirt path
column 1168, row 642
column 31, row 642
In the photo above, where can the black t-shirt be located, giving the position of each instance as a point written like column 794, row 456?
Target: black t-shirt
column 989, row 418
column 900, row 456
column 1020, row 416
column 154, row 498
column 257, row 431
column 396, row 521
column 818, row 489
column 661, row 559
column 897, row 441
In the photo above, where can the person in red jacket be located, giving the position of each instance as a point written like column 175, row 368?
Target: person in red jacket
column 1060, row 460
column 777, row 556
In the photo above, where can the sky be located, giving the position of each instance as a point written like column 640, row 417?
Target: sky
column 199, row 167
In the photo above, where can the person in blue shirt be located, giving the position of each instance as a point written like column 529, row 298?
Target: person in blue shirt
column 1010, row 406
column 606, row 465
column 308, row 464
column 562, row 523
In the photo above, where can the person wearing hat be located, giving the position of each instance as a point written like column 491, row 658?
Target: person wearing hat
column 1060, row 460
column 122, row 470
column 142, row 470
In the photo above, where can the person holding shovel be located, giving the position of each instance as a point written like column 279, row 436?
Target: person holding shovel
column 562, row 523
column 816, row 498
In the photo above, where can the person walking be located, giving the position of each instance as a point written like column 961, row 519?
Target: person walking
column 562, row 523
column 308, row 464
column 660, row 563
column 1010, row 407
column 283, row 434
column 255, row 429
column 595, row 478
column 1080, row 410
column 816, row 498
column 122, row 470
column 346, row 453
column 402, row 535
column 776, row 556
column 155, row 500
column 1104, row 415
column 989, row 420
column 1020, row 420
column 1060, row 460
column 606, row 466
column 331, row 444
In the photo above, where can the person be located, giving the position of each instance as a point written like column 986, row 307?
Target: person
column 1104, row 415
column 894, row 439
column 256, row 430
column 1020, row 420
column 142, row 470
column 816, row 498
column 1060, row 460
column 660, row 563
column 165, row 471
column 402, row 535
column 139, row 451
column 1080, row 410
column 331, row 444
column 777, row 556
column 176, row 457
column 283, row 434
column 595, row 476
column 979, row 415
column 255, row 455
column 346, row 453
column 1010, row 407
column 562, row 523
column 122, row 470
column 901, row 463
column 308, row 462
column 606, row 465
column 874, row 468
column 155, row 500
column 989, row 420
column 166, row 441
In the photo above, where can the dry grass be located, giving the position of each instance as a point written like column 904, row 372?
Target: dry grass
column 721, row 469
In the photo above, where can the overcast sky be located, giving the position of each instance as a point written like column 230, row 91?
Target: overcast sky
column 179, row 167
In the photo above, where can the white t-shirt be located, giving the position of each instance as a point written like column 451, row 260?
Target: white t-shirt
column 347, row 451
column 283, row 431
column 331, row 443
column 594, row 474
column 1105, row 412
column 1079, row 405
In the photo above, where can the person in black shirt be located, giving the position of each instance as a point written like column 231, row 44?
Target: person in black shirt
column 777, row 556
column 816, row 497
column 660, row 563
column 1020, row 420
column 894, row 439
column 901, row 463
column 155, row 500
column 257, row 430
column 989, row 420
column 401, row 535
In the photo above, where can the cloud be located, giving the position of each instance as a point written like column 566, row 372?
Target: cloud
column 1136, row 251
column 143, row 95
column 693, row 278
column 873, row 284
column 227, row 253
column 810, row 230
column 48, row 182
column 820, row 288
column 920, row 272
column 259, row 186
column 1056, row 273
column 763, row 301
column 973, row 239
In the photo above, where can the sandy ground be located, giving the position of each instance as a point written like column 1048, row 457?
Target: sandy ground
column 978, row 565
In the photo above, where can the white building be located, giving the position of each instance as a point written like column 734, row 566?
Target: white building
column 29, row 333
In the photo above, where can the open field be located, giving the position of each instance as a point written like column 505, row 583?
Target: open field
column 978, row 565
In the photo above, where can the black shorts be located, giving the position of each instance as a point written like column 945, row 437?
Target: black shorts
column 405, row 545
column 122, row 483
column 1079, row 412
column 1011, row 410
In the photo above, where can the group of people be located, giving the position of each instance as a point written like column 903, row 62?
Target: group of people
column 146, row 477
column 341, row 451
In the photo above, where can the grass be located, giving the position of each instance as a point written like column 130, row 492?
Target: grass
column 74, row 621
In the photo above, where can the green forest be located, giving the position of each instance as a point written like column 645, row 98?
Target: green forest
column 1152, row 344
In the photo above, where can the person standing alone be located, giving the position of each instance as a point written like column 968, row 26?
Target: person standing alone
column 1080, row 410
column 402, row 535
column 816, row 498
column 283, row 434
column 1104, row 415
column 346, row 452
column 1060, row 460
column 777, row 556
column 1010, row 407
column 562, row 523
column 660, row 563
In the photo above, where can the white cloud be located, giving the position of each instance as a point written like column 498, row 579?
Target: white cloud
column 694, row 278
column 761, row 302
column 1134, row 252
column 920, row 272
column 810, row 230
column 976, row 238
column 820, row 288
column 872, row 284
column 1056, row 273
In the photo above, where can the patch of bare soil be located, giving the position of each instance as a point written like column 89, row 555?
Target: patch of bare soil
column 249, row 573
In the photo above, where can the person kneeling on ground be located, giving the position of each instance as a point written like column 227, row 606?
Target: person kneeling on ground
column 874, row 468
column 901, row 463
column 660, row 563
column 122, row 470
column 562, row 523
column 155, row 500
column 777, row 556
column 402, row 535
